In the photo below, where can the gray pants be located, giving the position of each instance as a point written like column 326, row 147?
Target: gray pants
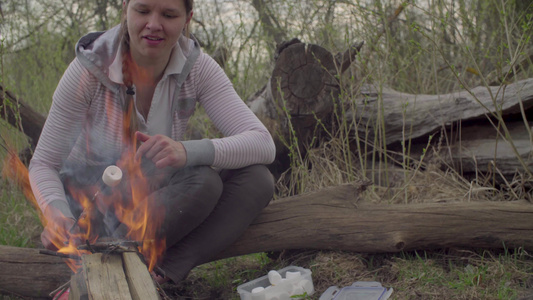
column 208, row 211
column 205, row 212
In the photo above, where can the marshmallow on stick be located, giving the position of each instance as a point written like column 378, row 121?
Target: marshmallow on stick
column 112, row 176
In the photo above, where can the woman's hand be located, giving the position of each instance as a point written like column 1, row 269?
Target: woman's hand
column 161, row 150
column 58, row 230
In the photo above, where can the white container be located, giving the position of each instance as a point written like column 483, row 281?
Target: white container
column 367, row 290
column 281, row 290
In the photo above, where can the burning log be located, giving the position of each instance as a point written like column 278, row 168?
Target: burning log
column 116, row 271
column 113, row 276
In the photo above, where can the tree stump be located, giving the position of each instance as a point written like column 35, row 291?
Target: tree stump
column 303, row 88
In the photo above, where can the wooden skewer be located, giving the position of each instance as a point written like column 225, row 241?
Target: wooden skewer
column 62, row 255
column 63, row 287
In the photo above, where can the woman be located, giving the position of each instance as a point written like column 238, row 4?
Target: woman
column 149, row 63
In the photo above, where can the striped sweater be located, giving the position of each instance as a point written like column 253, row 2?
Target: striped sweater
column 84, row 124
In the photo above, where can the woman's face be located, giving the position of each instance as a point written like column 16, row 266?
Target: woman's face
column 154, row 27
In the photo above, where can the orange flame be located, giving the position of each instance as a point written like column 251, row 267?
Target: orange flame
column 14, row 169
column 130, row 201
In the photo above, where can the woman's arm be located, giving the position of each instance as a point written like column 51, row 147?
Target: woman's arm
column 246, row 141
column 63, row 125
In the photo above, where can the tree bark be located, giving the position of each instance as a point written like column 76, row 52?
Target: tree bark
column 26, row 273
column 329, row 219
column 413, row 116
column 20, row 115
column 332, row 219
column 303, row 89
column 475, row 141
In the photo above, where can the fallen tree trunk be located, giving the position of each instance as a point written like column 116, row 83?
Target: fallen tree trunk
column 21, row 116
column 328, row 219
column 332, row 219
column 410, row 116
column 474, row 139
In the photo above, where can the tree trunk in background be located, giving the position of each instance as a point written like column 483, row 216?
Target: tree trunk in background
column 269, row 22
column 474, row 141
column 22, row 116
column 471, row 140
column 303, row 89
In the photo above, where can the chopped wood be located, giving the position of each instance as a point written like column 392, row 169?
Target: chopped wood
column 139, row 280
column 113, row 276
column 105, row 277
column 78, row 287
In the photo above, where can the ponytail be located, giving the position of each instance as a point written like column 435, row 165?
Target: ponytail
column 131, row 123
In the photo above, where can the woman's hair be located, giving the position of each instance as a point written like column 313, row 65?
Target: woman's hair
column 127, row 68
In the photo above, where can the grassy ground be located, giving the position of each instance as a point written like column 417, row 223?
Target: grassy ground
column 441, row 274
column 438, row 274
column 19, row 223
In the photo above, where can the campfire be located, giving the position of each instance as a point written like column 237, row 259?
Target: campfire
column 119, row 203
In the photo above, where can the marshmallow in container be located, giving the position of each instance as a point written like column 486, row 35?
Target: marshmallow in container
column 112, row 176
column 285, row 284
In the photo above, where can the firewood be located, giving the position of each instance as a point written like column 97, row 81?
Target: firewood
column 140, row 281
column 113, row 276
column 105, row 276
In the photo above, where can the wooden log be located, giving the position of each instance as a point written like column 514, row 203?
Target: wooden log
column 113, row 276
column 26, row 273
column 481, row 149
column 303, row 88
column 140, row 282
column 78, row 287
column 105, row 277
column 409, row 116
column 472, row 143
column 19, row 114
column 332, row 218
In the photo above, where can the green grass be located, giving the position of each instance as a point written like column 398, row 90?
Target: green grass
column 439, row 274
column 19, row 223
column 464, row 275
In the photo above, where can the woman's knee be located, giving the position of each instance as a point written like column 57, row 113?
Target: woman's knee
column 202, row 183
column 254, row 183
column 262, row 180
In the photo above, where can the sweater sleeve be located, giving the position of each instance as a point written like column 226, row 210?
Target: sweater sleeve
column 62, row 127
column 246, row 140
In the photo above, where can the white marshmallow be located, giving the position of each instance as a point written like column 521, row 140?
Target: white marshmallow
column 258, row 289
column 112, row 176
column 292, row 275
column 274, row 277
